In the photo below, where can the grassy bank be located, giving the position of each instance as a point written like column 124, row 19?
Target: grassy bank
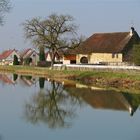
column 99, row 78
column 69, row 73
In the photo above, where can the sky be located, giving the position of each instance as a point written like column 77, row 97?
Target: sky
column 91, row 16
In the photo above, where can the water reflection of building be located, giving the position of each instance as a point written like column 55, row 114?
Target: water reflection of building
column 7, row 79
column 13, row 79
column 98, row 98
column 27, row 80
column 107, row 99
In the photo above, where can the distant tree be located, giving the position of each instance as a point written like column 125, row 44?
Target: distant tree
column 15, row 62
column 42, row 58
column 42, row 54
column 136, row 54
column 4, row 8
column 56, row 33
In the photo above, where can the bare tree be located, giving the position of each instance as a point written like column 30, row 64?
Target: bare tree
column 56, row 33
column 4, row 8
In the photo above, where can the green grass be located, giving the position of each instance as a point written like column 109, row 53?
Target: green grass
column 69, row 73
column 112, row 75
column 121, row 80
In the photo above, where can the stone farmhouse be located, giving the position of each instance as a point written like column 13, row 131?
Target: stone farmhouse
column 104, row 48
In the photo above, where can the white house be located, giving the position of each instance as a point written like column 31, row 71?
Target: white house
column 29, row 55
column 7, row 57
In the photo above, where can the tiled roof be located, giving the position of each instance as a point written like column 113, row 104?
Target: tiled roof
column 5, row 79
column 108, row 42
column 70, row 57
column 105, row 43
column 24, row 52
column 6, row 53
column 27, row 53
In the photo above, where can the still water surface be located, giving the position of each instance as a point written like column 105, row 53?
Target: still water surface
column 33, row 108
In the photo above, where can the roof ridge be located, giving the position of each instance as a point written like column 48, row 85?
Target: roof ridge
column 111, row 33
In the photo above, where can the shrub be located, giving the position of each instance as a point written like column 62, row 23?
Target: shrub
column 15, row 62
column 136, row 54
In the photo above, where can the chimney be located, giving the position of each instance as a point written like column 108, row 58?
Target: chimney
column 132, row 31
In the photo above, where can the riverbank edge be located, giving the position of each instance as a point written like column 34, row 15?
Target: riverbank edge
column 116, row 79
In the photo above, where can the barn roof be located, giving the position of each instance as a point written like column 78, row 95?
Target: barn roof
column 104, row 43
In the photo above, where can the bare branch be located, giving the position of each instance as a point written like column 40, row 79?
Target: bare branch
column 55, row 33
column 5, row 7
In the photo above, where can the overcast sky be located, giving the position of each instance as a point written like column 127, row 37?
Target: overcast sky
column 90, row 15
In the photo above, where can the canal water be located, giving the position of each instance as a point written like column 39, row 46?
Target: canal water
column 33, row 108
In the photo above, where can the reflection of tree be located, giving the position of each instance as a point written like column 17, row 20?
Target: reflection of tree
column 15, row 76
column 41, row 82
column 134, row 100
column 53, row 106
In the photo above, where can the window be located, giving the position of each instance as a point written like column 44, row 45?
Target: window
column 113, row 55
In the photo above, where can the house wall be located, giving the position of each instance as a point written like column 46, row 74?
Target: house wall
column 35, row 58
column 66, row 61
column 57, row 59
column 48, row 59
column 27, row 53
column 9, row 60
column 30, row 54
column 96, row 58
column 79, row 56
column 11, row 56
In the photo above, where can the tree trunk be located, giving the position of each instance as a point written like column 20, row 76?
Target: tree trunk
column 53, row 59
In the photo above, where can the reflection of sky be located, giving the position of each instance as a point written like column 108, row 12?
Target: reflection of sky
column 90, row 123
